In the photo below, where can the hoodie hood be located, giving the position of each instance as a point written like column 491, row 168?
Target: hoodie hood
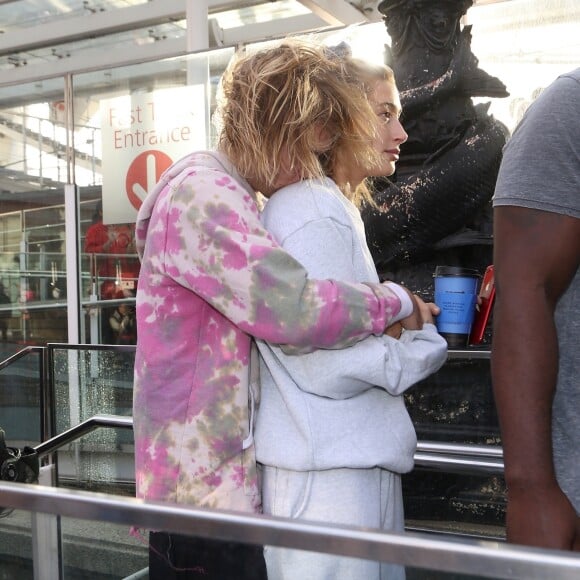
column 207, row 159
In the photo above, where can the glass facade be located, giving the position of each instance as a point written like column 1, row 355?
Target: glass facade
column 49, row 140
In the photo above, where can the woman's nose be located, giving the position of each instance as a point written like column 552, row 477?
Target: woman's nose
column 401, row 134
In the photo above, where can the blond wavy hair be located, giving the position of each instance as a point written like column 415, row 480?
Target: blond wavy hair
column 366, row 75
column 288, row 107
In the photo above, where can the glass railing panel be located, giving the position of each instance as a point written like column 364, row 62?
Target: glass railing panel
column 89, row 382
column 99, row 378
column 20, row 395
column 98, row 462
column 16, row 546
column 100, row 551
column 96, row 550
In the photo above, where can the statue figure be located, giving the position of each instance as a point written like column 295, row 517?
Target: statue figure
column 436, row 209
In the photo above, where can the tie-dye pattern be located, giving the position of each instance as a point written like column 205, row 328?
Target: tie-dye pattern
column 211, row 278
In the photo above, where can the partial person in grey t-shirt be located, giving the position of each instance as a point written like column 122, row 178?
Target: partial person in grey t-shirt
column 535, row 361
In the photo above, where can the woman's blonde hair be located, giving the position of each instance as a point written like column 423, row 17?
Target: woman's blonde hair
column 367, row 75
column 288, row 107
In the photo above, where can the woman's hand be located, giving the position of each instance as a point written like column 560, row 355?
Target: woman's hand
column 423, row 313
column 395, row 330
column 428, row 310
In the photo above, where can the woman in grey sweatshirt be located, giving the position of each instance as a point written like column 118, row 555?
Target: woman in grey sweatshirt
column 332, row 431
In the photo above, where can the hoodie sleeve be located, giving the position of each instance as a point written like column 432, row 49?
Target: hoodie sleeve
column 393, row 365
column 313, row 226
column 324, row 246
column 203, row 231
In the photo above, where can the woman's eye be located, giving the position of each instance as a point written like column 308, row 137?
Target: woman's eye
column 385, row 116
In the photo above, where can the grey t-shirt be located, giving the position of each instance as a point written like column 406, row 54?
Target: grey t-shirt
column 541, row 170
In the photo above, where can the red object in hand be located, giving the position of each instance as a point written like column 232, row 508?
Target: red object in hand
column 486, row 299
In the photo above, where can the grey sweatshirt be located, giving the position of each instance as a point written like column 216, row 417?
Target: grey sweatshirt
column 337, row 408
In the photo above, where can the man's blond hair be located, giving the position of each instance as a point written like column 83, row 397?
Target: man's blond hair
column 285, row 106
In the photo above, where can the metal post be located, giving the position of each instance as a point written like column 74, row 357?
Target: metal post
column 198, row 39
column 197, row 15
column 46, row 537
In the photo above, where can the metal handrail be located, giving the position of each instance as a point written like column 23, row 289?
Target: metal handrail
column 487, row 451
column 460, row 458
column 469, row 353
column 459, row 464
column 20, row 354
column 76, row 432
column 42, row 352
column 52, row 346
column 430, row 454
column 481, row 558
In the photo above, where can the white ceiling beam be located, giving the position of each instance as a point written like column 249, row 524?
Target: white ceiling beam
column 273, row 29
column 99, row 58
column 95, row 59
column 335, row 12
column 197, row 19
column 69, row 30
column 223, row 5
column 64, row 30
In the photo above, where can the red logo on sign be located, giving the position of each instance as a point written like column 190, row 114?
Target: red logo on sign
column 143, row 173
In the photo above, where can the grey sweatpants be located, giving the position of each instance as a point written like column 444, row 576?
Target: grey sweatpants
column 359, row 497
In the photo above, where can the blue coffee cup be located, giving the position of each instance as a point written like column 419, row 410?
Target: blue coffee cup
column 456, row 296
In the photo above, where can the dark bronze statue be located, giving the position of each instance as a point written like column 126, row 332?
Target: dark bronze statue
column 436, row 208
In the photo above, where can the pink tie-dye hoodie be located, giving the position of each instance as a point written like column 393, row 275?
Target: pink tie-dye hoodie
column 212, row 277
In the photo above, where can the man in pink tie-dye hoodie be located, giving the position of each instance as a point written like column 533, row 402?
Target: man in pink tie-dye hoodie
column 212, row 278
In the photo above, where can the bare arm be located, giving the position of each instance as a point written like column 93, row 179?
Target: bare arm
column 536, row 255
